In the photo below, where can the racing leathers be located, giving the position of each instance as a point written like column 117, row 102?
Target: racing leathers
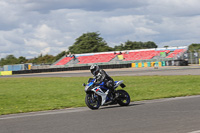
column 102, row 76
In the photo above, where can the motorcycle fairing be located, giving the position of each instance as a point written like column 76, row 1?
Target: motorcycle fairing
column 99, row 92
column 117, row 83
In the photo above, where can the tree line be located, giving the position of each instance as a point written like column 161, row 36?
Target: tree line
column 41, row 59
column 90, row 42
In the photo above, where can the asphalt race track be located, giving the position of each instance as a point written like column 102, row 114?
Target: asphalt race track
column 173, row 115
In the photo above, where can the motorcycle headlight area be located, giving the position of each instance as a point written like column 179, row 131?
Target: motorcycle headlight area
column 87, row 88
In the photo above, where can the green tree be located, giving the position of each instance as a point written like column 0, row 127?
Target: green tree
column 88, row 43
column 166, row 46
column 46, row 59
column 119, row 48
column 11, row 59
column 130, row 45
column 194, row 47
column 149, row 44
column 22, row 59
column 2, row 62
column 60, row 55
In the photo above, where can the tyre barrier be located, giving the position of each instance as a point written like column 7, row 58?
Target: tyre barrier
column 113, row 66
column 176, row 63
column 160, row 64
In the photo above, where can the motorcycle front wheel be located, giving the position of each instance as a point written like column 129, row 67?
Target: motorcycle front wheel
column 123, row 98
column 93, row 101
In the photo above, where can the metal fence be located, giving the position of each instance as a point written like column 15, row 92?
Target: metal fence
column 190, row 57
column 193, row 57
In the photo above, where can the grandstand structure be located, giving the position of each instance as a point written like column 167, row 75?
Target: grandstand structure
column 171, row 56
column 122, row 57
column 115, row 59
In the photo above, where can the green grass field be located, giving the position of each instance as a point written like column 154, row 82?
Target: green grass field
column 35, row 94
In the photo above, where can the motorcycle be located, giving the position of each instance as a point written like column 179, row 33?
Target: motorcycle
column 98, row 95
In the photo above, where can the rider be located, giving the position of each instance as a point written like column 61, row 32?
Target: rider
column 102, row 76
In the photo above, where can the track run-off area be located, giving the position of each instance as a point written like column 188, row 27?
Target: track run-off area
column 168, row 70
column 170, row 115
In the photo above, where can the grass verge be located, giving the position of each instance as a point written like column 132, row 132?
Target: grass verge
column 35, row 94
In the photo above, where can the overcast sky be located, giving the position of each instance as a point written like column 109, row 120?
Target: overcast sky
column 31, row 27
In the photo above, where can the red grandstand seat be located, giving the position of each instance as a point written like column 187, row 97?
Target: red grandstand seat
column 142, row 55
column 98, row 58
column 175, row 53
column 64, row 61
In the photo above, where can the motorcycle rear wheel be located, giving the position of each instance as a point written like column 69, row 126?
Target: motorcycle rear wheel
column 93, row 101
column 123, row 98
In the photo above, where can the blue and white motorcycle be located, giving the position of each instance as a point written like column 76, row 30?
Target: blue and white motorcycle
column 97, row 94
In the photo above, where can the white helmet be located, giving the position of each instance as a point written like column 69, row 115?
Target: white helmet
column 94, row 69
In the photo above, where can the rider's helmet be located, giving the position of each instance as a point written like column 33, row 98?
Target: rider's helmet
column 94, row 69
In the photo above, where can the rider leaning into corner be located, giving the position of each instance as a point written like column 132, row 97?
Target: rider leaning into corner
column 101, row 76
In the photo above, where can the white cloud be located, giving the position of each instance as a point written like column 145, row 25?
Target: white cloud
column 173, row 7
column 145, row 31
column 31, row 27
column 33, row 53
column 44, row 32
column 176, row 43
column 46, row 50
column 35, row 43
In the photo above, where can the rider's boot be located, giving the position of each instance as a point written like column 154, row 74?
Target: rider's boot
column 114, row 92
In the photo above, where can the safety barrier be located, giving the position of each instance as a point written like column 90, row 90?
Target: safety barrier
column 2, row 73
column 104, row 66
column 199, row 61
column 17, row 67
column 113, row 66
column 147, row 64
column 160, row 64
